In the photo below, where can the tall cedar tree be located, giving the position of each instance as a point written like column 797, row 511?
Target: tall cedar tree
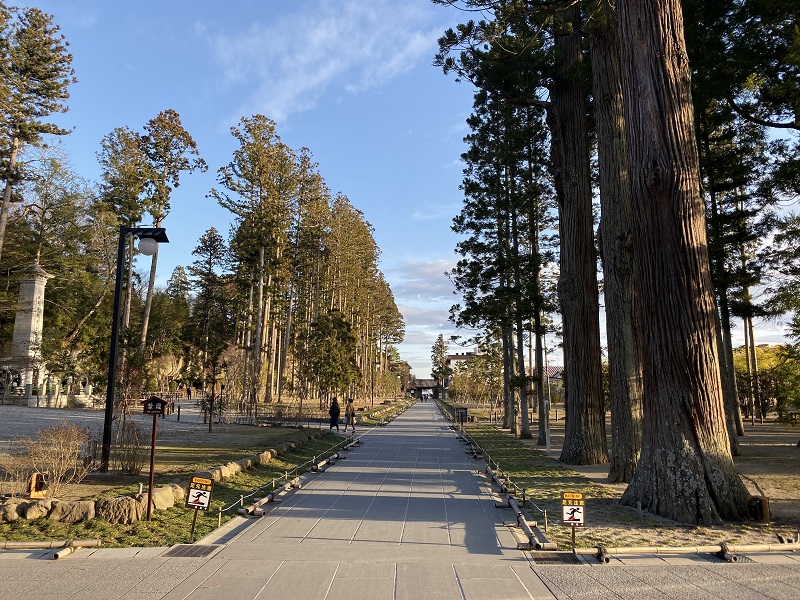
column 507, row 199
column 685, row 471
column 169, row 151
column 440, row 370
column 585, row 441
column 616, row 243
column 211, row 316
column 259, row 186
column 585, row 433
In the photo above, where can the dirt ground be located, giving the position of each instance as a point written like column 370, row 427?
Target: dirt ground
column 180, row 444
column 769, row 465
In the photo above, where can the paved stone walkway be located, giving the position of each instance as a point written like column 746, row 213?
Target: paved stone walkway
column 405, row 515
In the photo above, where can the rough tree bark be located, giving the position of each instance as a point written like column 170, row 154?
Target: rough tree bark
column 685, row 471
column 585, row 435
column 616, row 223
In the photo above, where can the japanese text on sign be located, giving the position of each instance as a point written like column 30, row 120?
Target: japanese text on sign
column 199, row 494
column 573, row 509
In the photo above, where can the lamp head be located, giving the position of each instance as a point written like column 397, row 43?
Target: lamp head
column 148, row 246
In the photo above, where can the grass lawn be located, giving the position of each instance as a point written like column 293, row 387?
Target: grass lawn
column 608, row 523
column 173, row 526
column 179, row 455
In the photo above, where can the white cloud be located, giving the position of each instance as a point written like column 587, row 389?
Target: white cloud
column 435, row 212
column 422, row 283
column 347, row 46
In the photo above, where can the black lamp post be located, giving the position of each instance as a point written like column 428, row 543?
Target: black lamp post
column 155, row 236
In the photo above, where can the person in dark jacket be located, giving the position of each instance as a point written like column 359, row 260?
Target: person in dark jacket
column 334, row 412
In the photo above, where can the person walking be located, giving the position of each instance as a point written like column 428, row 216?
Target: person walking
column 334, row 412
column 350, row 415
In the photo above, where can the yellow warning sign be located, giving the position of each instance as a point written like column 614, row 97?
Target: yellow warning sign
column 201, row 480
column 571, row 496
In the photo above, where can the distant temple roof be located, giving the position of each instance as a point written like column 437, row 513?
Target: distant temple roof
column 422, row 383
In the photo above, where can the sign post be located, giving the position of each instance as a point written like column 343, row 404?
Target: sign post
column 573, row 511
column 199, row 497
column 461, row 415
column 153, row 406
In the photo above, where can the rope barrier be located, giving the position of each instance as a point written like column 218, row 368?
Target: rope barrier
column 273, row 485
column 507, row 481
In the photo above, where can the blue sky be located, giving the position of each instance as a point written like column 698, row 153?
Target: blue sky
column 351, row 80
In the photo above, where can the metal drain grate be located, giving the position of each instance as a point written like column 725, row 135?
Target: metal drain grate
column 554, row 558
column 190, row 551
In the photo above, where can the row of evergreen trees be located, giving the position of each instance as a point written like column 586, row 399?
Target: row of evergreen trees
column 677, row 122
column 291, row 304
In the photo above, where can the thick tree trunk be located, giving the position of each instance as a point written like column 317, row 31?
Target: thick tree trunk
column 585, row 435
column 685, row 471
column 616, row 223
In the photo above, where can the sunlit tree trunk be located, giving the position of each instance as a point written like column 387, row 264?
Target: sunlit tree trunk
column 616, row 239
column 585, row 435
column 685, row 471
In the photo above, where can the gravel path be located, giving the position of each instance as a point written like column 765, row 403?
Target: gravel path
column 24, row 421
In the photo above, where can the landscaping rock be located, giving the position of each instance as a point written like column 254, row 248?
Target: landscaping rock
column 37, row 510
column 234, row 468
column 178, row 493
column 72, row 512
column 225, row 472
column 265, row 457
column 247, row 463
column 122, row 509
column 215, row 474
column 10, row 511
column 163, row 498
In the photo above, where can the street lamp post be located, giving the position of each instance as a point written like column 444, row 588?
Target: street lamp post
column 154, row 236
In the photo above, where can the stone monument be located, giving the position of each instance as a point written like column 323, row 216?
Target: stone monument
column 26, row 342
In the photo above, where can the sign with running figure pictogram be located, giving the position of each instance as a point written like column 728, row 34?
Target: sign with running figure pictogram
column 573, row 509
column 199, row 494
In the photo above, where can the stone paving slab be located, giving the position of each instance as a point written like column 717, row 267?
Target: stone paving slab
column 405, row 515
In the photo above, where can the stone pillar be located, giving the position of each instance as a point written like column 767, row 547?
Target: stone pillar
column 27, row 339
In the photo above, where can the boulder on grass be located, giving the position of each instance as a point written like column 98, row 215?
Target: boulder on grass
column 37, row 509
column 163, row 498
column 10, row 511
column 72, row 512
column 178, row 493
column 120, row 510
